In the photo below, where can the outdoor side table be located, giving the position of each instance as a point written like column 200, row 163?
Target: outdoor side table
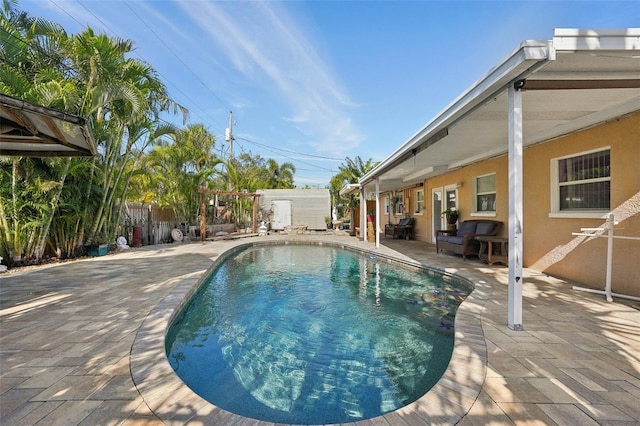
column 488, row 252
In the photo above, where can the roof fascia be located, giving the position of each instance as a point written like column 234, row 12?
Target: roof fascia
column 517, row 65
column 573, row 39
column 349, row 189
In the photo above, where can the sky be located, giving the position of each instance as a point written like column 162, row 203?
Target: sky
column 314, row 82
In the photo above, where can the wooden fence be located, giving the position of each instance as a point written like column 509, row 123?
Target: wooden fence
column 145, row 224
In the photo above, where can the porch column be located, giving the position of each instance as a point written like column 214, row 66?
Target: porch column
column 515, row 207
column 377, row 227
column 363, row 215
column 254, row 223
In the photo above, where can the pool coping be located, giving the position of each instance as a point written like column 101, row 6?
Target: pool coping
column 447, row 402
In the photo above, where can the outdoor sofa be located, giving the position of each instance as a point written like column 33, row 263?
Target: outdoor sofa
column 403, row 229
column 463, row 239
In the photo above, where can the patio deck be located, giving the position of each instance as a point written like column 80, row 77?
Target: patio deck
column 81, row 344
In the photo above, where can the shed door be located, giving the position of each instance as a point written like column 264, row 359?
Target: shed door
column 281, row 214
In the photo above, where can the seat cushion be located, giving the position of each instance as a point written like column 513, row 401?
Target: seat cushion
column 485, row 228
column 466, row 228
column 455, row 239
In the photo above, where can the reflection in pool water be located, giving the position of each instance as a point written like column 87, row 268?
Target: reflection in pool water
column 314, row 334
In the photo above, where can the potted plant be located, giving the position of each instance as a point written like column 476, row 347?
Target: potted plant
column 452, row 214
column 328, row 221
column 98, row 245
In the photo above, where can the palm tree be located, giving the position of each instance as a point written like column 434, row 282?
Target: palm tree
column 280, row 176
column 88, row 75
column 349, row 172
column 177, row 168
column 30, row 69
column 125, row 97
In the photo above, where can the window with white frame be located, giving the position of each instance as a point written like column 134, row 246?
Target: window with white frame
column 419, row 201
column 484, row 188
column 386, row 204
column 582, row 182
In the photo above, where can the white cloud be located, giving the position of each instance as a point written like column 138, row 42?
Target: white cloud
column 263, row 42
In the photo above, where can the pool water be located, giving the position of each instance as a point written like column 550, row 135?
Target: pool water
column 308, row 334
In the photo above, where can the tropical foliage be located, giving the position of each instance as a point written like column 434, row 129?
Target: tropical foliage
column 173, row 170
column 348, row 172
column 57, row 206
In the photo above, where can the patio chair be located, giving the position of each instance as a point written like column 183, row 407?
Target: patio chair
column 403, row 229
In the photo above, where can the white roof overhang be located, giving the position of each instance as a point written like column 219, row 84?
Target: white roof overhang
column 578, row 80
column 350, row 188
column 31, row 130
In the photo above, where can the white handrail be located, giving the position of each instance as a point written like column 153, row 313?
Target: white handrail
column 597, row 232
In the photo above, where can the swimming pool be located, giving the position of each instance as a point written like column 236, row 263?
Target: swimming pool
column 314, row 334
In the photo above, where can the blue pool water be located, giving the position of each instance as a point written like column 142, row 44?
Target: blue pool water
column 308, row 334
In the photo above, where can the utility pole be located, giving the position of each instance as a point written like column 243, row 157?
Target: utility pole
column 228, row 136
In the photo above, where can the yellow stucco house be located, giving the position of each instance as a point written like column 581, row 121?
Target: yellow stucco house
column 547, row 142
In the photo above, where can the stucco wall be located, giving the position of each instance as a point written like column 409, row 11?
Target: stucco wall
column 548, row 244
column 464, row 176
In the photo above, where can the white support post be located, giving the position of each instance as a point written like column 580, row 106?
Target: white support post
column 377, row 213
column 515, row 207
column 607, row 288
column 363, row 214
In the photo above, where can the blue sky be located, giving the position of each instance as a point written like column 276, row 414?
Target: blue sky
column 311, row 82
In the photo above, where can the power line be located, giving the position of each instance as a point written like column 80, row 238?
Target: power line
column 177, row 57
column 67, row 13
column 278, row 151
column 204, row 118
column 165, row 45
column 291, row 158
column 290, row 151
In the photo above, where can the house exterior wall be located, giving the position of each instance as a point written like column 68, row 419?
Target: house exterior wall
column 548, row 243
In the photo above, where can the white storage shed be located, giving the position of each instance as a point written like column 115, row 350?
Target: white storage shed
column 295, row 207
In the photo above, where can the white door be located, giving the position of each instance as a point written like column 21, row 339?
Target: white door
column 436, row 210
column 442, row 198
column 281, row 214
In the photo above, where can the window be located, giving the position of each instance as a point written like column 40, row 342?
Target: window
column 386, row 205
column 582, row 182
column 399, row 204
column 484, row 188
column 419, row 201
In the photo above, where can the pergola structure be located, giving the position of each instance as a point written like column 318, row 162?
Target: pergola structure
column 30, row 130
column 203, row 207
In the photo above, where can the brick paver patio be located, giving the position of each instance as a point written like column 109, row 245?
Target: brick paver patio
column 81, row 343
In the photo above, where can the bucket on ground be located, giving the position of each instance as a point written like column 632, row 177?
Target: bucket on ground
column 137, row 236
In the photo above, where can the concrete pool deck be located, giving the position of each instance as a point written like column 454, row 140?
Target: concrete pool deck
column 81, row 343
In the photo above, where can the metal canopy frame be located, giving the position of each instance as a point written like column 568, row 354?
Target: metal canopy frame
column 543, row 90
column 31, row 130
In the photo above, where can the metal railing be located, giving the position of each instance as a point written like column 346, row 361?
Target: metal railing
column 600, row 232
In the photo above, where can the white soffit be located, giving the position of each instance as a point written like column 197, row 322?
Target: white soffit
column 474, row 126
